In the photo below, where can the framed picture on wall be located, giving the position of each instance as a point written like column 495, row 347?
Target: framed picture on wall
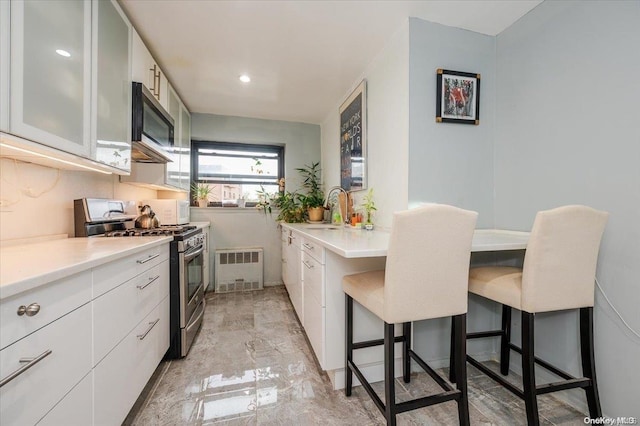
column 458, row 97
column 353, row 140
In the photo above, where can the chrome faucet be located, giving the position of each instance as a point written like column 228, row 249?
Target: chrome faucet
column 346, row 200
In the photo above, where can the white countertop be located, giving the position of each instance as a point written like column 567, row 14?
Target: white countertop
column 352, row 242
column 27, row 266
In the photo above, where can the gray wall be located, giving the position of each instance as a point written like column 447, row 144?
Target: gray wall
column 232, row 227
column 568, row 132
column 301, row 140
column 450, row 163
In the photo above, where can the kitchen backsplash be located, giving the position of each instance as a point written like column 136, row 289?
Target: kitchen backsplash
column 36, row 201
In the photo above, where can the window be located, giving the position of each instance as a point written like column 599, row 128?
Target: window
column 236, row 170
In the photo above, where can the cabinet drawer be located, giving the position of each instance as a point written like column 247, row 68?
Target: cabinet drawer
column 132, row 301
column 313, row 279
column 55, row 300
column 314, row 249
column 113, row 274
column 75, row 409
column 29, row 396
column 122, row 374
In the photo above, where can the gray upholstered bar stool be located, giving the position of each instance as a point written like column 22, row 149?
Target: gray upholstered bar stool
column 425, row 277
column 558, row 274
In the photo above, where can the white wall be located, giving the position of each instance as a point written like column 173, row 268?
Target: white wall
column 38, row 200
column 232, row 227
column 567, row 132
column 387, row 129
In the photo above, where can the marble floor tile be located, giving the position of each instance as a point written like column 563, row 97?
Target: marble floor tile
column 251, row 364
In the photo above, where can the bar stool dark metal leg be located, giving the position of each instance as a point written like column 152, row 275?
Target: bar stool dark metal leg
column 389, row 380
column 406, row 345
column 460, row 355
column 505, row 339
column 452, row 351
column 348, row 344
column 588, row 361
column 528, row 369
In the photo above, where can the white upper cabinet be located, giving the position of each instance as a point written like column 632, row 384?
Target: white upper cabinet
column 111, row 95
column 4, row 65
column 173, row 168
column 66, row 83
column 50, row 73
column 148, row 72
column 178, row 172
column 185, row 148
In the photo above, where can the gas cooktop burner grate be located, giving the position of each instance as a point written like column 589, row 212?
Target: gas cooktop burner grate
column 144, row 232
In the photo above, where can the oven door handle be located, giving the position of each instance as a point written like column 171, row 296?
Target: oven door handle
column 190, row 255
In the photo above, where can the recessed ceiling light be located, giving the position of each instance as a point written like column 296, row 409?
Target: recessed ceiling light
column 245, row 78
column 63, row 53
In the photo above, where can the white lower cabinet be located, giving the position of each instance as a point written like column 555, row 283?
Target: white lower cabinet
column 67, row 341
column 316, row 285
column 314, row 313
column 129, row 346
column 75, row 409
column 90, row 358
column 291, row 271
column 122, row 374
column 51, row 302
column 132, row 300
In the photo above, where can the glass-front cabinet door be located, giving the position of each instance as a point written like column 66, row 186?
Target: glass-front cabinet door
column 173, row 167
column 185, row 148
column 51, row 73
column 111, row 126
column 4, row 65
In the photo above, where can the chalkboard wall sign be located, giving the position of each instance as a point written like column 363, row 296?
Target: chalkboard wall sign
column 353, row 139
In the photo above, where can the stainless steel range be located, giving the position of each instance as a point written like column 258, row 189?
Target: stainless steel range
column 96, row 217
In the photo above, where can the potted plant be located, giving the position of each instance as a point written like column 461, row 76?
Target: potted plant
column 313, row 199
column 288, row 204
column 369, row 207
column 200, row 192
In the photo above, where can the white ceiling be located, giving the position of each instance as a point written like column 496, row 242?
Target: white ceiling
column 302, row 56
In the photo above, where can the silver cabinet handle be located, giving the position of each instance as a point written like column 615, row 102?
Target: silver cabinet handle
column 29, row 311
column 147, row 259
column 309, row 246
column 30, row 363
column 307, row 264
column 151, row 325
column 142, row 287
column 156, row 81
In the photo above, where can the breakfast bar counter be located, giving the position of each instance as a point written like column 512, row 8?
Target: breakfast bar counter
column 354, row 242
column 317, row 256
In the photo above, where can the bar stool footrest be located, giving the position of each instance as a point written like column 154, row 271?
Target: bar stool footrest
column 435, row 376
column 482, row 334
column 495, row 376
column 376, row 342
column 544, row 364
column 449, row 394
column 427, row 401
column 570, row 382
column 563, row 385
column 367, row 387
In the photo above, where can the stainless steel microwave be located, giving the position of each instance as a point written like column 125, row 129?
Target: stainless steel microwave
column 152, row 127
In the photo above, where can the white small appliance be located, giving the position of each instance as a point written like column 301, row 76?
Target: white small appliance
column 169, row 212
